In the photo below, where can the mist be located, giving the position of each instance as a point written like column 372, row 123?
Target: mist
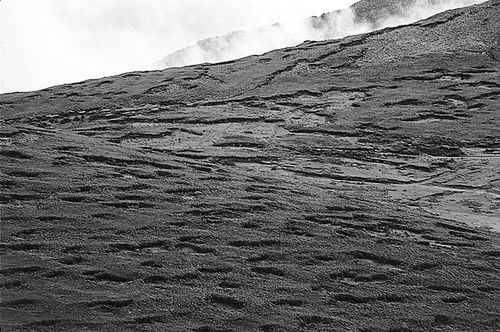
column 51, row 42
column 362, row 17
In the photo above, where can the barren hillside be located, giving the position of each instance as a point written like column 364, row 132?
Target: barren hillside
column 343, row 185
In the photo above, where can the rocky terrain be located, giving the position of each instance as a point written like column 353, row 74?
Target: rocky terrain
column 342, row 185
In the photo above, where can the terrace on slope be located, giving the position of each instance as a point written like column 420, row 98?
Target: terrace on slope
column 323, row 187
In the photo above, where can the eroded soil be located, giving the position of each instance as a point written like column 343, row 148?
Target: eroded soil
column 344, row 185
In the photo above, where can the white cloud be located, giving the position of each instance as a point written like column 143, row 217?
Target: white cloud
column 50, row 42
column 335, row 25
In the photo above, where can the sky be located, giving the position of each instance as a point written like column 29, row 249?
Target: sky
column 51, row 42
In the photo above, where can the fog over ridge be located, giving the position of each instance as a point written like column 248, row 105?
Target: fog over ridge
column 362, row 17
column 51, row 42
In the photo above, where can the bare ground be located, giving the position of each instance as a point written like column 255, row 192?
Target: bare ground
column 345, row 185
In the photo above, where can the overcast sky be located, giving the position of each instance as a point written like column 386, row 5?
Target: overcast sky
column 50, row 42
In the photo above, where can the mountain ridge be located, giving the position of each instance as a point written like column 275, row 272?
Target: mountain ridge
column 363, row 16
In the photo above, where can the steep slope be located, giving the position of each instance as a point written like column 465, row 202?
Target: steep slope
column 341, row 185
column 363, row 16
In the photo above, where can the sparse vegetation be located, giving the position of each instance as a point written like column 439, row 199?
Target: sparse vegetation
column 343, row 185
